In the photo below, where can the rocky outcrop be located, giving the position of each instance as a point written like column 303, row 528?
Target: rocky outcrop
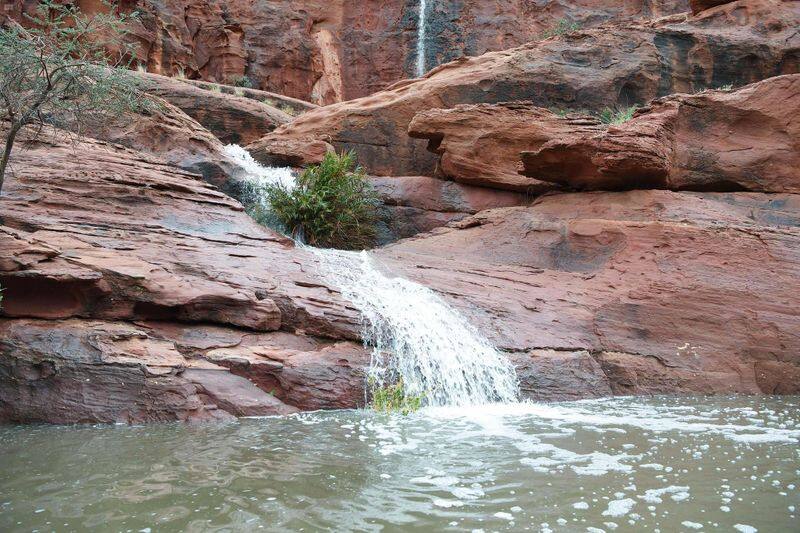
column 718, row 140
column 275, row 150
column 644, row 292
column 619, row 64
column 334, row 51
column 164, row 131
column 231, row 118
column 93, row 249
column 481, row 144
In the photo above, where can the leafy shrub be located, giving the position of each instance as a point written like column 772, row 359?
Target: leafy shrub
column 289, row 110
column 562, row 27
column 331, row 206
column 243, row 81
column 393, row 399
column 614, row 116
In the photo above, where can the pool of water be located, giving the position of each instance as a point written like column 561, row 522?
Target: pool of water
column 663, row 464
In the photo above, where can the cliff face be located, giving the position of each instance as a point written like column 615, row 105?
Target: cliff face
column 329, row 51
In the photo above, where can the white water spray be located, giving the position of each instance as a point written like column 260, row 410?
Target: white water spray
column 421, row 35
column 415, row 336
column 257, row 174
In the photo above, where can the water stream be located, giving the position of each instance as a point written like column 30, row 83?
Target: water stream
column 415, row 336
column 422, row 29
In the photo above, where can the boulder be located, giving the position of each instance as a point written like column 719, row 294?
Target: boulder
column 713, row 141
column 618, row 64
column 232, row 119
column 481, row 144
column 272, row 150
column 667, row 291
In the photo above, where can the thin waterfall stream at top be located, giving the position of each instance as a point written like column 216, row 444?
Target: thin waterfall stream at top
column 421, row 36
column 415, row 336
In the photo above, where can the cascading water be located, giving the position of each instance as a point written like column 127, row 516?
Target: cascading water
column 415, row 336
column 421, row 35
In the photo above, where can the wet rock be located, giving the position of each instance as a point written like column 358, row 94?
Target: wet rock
column 616, row 65
column 713, row 141
column 481, row 144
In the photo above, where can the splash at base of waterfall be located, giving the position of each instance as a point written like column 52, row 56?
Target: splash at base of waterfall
column 418, row 338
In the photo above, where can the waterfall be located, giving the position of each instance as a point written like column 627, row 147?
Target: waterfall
column 421, row 35
column 418, row 337
column 414, row 334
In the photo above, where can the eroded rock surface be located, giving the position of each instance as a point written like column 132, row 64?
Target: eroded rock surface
column 231, row 118
column 747, row 139
column 668, row 292
column 618, row 64
column 481, row 144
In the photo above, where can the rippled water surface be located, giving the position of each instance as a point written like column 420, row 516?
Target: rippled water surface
column 613, row 465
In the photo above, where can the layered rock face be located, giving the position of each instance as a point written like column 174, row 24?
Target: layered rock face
column 741, row 140
column 623, row 64
column 332, row 51
column 481, row 144
column 640, row 292
column 121, row 274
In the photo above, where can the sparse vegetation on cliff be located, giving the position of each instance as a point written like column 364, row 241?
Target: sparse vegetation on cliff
column 58, row 72
column 616, row 115
column 332, row 205
column 562, row 27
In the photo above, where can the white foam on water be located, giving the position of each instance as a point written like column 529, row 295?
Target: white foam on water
column 617, row 508
column 744, row 528
column 256, row 173
column 418, row 337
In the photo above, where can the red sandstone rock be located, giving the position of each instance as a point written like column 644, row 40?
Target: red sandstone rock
column 169, row 133
column 621, row 64
column 748, row 139
column 232, row 118
column 702, row 5
column 481, row 144
column 272, row 150
column 333, row 51
column 418, row 204
column 666, row 291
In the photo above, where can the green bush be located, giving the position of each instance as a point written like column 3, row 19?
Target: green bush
column 393, row 399
column 562, row 27
column 243, row 81
column 331, row 206
column 614, row 116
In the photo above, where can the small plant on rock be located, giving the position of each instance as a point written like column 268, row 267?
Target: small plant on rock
column 393, row 398
column 331, row 206
column 243, row 81
column 562, row 27
column 289, row 110
column 616, row 115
